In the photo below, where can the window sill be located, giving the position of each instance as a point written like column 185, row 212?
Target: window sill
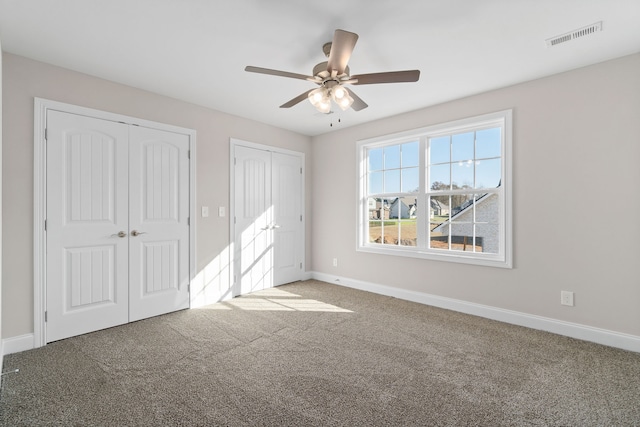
column 486, row 260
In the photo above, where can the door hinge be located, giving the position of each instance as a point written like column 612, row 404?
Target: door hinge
column 46, row 134
column 45, row 316
column 188, row 154
column 188, row 220
column 300, row 171
column 45, row 225
column 300, row 218
column 300, row 266
column 189, row 288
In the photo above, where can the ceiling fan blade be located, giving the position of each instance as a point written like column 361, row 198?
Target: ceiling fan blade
column 388, row 77
column 259, row 70
column 297, row 99
column 341, row 48
column 358, row 103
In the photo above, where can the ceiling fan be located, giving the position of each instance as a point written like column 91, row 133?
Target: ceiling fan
column 333, row 74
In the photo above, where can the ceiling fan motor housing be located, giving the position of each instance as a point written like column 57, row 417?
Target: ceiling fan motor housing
column 320, row 70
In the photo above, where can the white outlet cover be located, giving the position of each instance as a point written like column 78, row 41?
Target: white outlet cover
column 566, row 298
column 205, row 211
column 221, row 211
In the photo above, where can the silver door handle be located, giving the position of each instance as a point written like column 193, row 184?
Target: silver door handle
column 120, row 234
column 269, row 227
column 135, row 233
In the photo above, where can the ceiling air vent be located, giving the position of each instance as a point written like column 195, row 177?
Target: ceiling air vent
column 580, row 32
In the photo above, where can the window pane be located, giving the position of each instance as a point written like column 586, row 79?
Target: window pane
column 375, row 159
column 487, row 226
column 439, row 150
column 410, row 180
column 438, row 217
column 462, row 174
column 374, row 206
column 375, row 182
column 392, row 157
column 402, row 208
column 488, row 173
column 439, row 237
column 390, row 233
column 462, row 236
column 410, row 154
column 408, row 233
column 439, row 177
column 379, row 219
column 438, row 210
column 462, row 204
column 392, row 181
column 487, row 239
column 462, row 146
column 488, row 143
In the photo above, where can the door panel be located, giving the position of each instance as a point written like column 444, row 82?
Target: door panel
column 159, row 211
column 86, row 260
column 287, row 205
column 254, row 246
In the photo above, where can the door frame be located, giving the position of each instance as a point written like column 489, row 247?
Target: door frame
column 233, row 142
column 41, row 107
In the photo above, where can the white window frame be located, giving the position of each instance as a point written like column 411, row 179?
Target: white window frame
column 504, row 257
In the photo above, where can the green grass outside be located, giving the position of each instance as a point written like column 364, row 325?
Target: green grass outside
column 388, row 223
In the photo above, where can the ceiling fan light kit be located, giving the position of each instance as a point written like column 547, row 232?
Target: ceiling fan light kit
column 333, row 74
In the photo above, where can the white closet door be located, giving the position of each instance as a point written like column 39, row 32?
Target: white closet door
column 117, row 223
column 287, row 217
column 254, row 212
column 268, row 224
column 87, row 206
column 158, row 222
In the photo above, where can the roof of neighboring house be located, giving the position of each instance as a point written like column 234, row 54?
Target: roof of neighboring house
column 465, row 207
column 435, row 204
column 409, row 200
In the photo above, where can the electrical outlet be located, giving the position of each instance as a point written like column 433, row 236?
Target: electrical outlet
column 566, row 298
column 205, row 211
column 335, row 262
column 221, row 211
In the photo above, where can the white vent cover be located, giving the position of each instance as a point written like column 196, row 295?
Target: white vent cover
column 580, row 32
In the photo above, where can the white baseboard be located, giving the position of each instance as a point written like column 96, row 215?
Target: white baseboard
column 560, row 327
column 17, row 344
column 573, row 330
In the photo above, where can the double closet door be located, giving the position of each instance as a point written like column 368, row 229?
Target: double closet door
column 117, row 226
column 268, row 230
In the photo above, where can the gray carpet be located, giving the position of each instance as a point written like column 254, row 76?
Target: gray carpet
column 316, row 354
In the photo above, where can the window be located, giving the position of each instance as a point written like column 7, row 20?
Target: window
column 441, row 192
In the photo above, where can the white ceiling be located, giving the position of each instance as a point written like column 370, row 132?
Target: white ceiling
column 196, row 50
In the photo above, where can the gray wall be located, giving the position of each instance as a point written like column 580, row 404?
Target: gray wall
column 1, row 343
column 24, row 79
column 576, row 147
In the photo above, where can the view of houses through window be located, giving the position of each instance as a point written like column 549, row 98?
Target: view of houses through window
column 441, row 191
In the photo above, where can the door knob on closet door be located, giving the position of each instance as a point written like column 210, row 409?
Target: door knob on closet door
column 135, row 233
column 120, row 234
